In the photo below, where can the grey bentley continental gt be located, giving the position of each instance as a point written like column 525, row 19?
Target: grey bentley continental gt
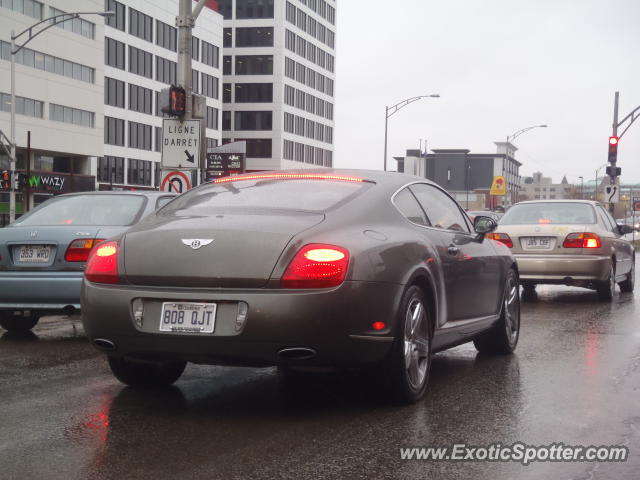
column 302, row 269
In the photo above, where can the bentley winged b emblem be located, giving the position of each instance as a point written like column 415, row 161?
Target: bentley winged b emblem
column 196, row 243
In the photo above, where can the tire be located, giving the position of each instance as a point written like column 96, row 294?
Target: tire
column 146, row 375
column 502, row 337
column 627, row 285
column 406, row 370
column 18, row 323
column 607, row 289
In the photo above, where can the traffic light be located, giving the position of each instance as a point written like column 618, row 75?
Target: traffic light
column 614, row 171
column 5, row 182
column 613, row 149
column 177, row 101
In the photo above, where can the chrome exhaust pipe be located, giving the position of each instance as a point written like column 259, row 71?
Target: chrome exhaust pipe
column 297, row 353
column 104, row 344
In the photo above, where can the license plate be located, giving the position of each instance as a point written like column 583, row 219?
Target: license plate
column 34, row 253
column 538, row 243
column 188, row 317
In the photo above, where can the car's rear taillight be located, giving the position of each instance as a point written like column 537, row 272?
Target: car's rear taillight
column 502, row 238
column 582, row 240
column 102, row 266
column 78, row 250
column 316, row 266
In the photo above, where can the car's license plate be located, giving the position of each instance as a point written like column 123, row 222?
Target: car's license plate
column 185, row 317
column 34, row 253
column 538, row 243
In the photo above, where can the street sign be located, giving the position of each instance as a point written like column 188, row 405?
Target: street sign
column 175, row 181
column 611, row 194
column 180, row 143
column 636, row 204
column 223, row 164
column 499, row 186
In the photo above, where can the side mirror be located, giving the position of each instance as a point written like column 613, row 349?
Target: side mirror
column 483, row 225
column 624, row 229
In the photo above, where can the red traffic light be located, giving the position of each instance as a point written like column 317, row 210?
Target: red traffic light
column 613, row 140
column 177, row 101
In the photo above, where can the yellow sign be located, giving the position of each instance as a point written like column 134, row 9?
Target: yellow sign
column 499, row 186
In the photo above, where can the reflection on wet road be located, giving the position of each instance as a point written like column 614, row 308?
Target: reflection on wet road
column 575, row 379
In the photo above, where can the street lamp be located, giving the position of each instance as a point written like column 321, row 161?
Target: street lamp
column 581, row 188
column 55, row 20
column 595, row 191
column 392, row 110
column 512, row 137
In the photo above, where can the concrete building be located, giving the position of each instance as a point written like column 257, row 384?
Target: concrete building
column 467, row 176
column 538, row 187
column 279, row 81
column 140, row 55
column 59, row 89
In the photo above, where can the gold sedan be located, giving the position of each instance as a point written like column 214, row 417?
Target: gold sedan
column 568, row 242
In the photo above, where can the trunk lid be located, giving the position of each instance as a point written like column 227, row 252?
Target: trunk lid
column 542, row 239
column 242, row 253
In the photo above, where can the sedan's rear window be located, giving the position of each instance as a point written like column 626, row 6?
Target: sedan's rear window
column 308, row 195
column 554, row 213
column 98, row 210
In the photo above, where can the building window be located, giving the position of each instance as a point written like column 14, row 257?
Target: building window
column 117, row 20
column 113, row 53
column 288, row 122
column 212, row 118
column 24, row 106
column 166, row 36
column 227, row 38
column 254, row 92
column 158, row 138
column 114, row 131
column 289, row 95
column 195, row 48
column 254, row 65
column 139, row 172
column 30, row 8
column 140, row 99
column 111, row 169
column 287, row 150
column 140, row 25
column 226, row 9
column 257, row 147
column 195, row 81
column 226, row 93
column 113, row 92
column 140, row 62
column 79, row 26
column 139, row 136
column 254, row 9
column 75, row 116
column 254, row 37
column 289, row 68
column 165, row 70
column 212, row 143
column 210, row 54
column 226, row 65
column 226, row 120
column 210, row 86
column 291, row 11
column 248, row 120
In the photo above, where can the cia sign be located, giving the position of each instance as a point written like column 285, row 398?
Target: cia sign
column 180, row 143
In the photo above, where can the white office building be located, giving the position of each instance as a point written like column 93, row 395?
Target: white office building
column 59, row 97
column 140, row 59
column 279, row 81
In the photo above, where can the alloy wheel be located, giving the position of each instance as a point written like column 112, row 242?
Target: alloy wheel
column 416, row 343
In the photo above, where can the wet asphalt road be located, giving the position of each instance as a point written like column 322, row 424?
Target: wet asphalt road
column 575, row 379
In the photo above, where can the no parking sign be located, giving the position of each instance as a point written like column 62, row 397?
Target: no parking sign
column 175, row 181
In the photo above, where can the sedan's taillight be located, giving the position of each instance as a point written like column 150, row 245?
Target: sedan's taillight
column 502, row 238
column 582, row 240
column 316, row 266
column 78, row 250
column 102, row 266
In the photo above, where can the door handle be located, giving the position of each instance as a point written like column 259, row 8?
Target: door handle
column 453, row 250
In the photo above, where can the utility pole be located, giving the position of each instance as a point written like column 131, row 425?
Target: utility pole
column 612, row 160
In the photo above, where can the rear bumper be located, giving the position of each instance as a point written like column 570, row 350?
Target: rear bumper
column 335, row 323
column 556, row 268
column 40, row 290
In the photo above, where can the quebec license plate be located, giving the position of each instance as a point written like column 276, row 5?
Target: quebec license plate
column 34, row 253
column 538, row 243
column 184, row 317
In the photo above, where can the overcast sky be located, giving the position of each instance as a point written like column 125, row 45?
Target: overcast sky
column 499, row 66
